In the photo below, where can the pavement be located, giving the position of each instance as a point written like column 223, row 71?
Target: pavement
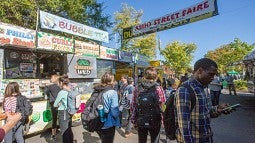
column 82, row 136
column 238, row 127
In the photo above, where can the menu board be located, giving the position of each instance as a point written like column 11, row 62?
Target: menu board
column 28, row 87
column 86, row 49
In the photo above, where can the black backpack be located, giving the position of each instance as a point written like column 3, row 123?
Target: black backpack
column 148, row 110
column 25, row 107
column 169, row 115
column 90, row 117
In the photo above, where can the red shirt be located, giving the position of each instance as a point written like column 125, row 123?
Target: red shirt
column 2, row 134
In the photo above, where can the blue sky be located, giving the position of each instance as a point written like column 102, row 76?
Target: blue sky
column 236, row 19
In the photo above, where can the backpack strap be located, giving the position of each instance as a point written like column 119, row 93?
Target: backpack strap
column 192, row 95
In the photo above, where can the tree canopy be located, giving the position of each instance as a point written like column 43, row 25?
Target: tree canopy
column 178, row 56
column 24, row 12
column 128, row 17
column 227, row 54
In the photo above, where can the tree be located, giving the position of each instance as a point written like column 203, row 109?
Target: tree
column 24, row 12
column 128, row 17
column 178, row 56
column 227, row 54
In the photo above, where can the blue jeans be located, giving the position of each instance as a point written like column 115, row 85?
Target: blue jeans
column 15, row 134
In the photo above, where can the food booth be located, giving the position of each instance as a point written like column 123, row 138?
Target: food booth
column 124, row 65
column 249, row 62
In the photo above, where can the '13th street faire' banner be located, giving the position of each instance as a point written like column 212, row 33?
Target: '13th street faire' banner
column 203, row 10
column 53, row 22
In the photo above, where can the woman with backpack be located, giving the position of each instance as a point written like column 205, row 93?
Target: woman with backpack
column 146, row 107
column 65, row 119
column 10, row 106
column 110, row 108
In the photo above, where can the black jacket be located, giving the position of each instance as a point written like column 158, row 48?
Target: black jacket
column 52, row 92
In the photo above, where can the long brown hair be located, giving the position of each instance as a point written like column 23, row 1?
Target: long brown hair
column 11, row 88
column 107, row 79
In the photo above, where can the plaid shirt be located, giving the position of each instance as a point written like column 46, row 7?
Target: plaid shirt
column 193, row 126
column 161, row 97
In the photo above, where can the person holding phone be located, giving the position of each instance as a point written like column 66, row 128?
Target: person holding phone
column 193, row 125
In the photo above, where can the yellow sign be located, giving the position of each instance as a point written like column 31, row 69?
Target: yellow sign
column 155, row 63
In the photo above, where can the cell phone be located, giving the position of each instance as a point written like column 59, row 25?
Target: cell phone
column 230, row 107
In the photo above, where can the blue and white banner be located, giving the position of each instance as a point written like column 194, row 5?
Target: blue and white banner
column 53, row 22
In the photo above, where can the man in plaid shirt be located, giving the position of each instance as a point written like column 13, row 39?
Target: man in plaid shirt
column 194, row 126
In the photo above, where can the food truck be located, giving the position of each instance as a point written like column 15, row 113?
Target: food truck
column 29, row 58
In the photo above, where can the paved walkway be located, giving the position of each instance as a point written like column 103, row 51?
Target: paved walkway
column 82, row 136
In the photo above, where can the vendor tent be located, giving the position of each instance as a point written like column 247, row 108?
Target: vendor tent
column 250, row 56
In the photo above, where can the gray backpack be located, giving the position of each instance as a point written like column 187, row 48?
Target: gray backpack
column 90, row 116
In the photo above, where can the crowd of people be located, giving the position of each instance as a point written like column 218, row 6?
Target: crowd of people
column 136, row 106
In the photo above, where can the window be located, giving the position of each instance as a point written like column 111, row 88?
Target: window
column 21, row 64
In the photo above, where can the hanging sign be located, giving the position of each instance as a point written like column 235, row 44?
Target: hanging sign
column 16, row 36
column 125, row 57
column 86, row 49
column 53, row 22
column 108, row 53
column 81, row 67
column 203, row 10
column 55, row 43
column 142, row 60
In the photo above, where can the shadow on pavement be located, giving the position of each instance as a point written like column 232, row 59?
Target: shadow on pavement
column 89, row 138
column 121, row 132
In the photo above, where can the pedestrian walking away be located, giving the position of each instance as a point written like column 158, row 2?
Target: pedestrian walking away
column 65, row 119
column 146, row 107
column 110, row 109
column 215, row 90
column 231, row 85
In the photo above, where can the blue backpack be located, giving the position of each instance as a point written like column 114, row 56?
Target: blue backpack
column 73, row 101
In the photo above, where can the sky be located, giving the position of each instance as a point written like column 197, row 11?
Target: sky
column 236, row 19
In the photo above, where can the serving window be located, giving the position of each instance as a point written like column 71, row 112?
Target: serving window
column 21, row 64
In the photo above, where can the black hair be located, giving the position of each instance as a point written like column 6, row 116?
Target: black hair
column 204, row 63
column 64, row 79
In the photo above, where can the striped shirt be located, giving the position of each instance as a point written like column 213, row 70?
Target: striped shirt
column 193, row 126
column 10, row 104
